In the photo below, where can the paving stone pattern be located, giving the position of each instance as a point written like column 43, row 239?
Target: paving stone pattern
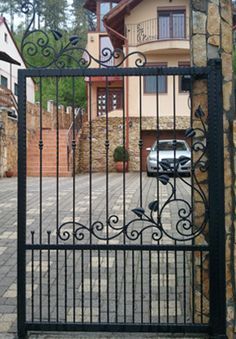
column 99, row 285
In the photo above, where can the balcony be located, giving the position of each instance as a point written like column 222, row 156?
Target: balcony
column 155, row 30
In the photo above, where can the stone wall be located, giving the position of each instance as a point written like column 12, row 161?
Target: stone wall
column 115, row 137
column 8, row 144
column 212, row 38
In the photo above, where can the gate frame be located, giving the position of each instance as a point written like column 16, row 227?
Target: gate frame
column 217, row 323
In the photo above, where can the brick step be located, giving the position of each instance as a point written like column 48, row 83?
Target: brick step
column 49, row 154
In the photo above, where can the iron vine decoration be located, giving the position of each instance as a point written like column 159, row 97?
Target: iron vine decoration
column 54, row 52
column 185, row 227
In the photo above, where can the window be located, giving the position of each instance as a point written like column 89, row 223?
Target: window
column 16, row 89
column 105, row 42
column 105, row 7
column 4, row 81
column 182, row 64
column 171, row 24
column 114, row 100
column 153, row 84
column 5, row 37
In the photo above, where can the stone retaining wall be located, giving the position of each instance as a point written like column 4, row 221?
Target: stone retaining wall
column 212, row 38
column 115, row 137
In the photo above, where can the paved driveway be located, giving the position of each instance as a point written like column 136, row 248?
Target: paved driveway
column 93, row 201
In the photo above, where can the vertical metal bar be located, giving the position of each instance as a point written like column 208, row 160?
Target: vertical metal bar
column 116, row 289
column 65, row 304
column 57, row 215
column 150, row 286
column 176, row 284
column 40, row 192
column 21, row 226
column 201, row 287
column 124, row 193
column 49, row 279
column 159, row 284
column 99, row 285
column 141, row 187
column 184, row 285
column 82, row 285
column 73, row 146
column 140, row 142
column 141, row 287
column 107, row 195
column 157, row 141
column 216, row 200
column 167, row 287
column 133, row 288
column 174, row 145
column 32, row 278
column 90, row 197
column 193, row 287
column 192, row 206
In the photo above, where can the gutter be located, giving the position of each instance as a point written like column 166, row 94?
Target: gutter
column 108, row 28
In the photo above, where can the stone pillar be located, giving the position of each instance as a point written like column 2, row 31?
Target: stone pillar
column 211, row 37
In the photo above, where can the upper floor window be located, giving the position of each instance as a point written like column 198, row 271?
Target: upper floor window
column 5, row 37
column 155, row 84
column 4, row 81
column 105, row 7
column 171, row 24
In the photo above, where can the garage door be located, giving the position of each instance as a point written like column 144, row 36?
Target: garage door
column 149, row 137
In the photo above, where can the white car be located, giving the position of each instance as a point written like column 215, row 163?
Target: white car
column 172, row 155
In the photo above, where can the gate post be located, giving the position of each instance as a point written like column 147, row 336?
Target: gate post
column 21, row 228
column 216, row 201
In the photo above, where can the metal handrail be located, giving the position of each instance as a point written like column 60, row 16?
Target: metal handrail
column 147, row 31
column 73, row 131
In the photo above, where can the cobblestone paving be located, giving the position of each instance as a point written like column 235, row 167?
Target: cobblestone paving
column 112, row 267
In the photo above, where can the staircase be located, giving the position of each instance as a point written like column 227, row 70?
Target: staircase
column 49, row 154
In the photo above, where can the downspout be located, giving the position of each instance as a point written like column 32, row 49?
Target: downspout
column 126, row 81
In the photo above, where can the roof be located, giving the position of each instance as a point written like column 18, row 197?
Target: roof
column 91, row 5
column 3, row 21
column 5, row 57
column 115, row 20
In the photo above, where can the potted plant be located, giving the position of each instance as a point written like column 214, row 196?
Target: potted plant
column 9, row 172
column 121, row 158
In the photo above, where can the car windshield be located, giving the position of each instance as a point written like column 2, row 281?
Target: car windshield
column 168, row 146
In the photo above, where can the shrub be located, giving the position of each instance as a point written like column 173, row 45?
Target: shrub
column 120, row 154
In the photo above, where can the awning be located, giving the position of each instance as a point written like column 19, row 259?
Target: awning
column 5, row 57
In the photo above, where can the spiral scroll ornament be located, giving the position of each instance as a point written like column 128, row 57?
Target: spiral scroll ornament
column 43, row 49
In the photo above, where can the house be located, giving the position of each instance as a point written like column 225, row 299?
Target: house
column 9, row 71
column 10, row 61
column 160, row 30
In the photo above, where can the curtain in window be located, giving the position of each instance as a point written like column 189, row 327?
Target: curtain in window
column 164, row 26
column 150, row 84
column 178, row 25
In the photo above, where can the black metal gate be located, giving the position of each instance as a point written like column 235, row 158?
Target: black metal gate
column 132, row 253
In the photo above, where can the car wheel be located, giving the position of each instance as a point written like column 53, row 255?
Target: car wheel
column 149, row 174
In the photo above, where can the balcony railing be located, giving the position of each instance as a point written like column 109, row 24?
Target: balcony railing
column 149, row 31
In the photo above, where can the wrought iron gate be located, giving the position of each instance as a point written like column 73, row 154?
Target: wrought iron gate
column 132, row 253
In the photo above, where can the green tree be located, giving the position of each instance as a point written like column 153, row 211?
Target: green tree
column 53, row 13
column 12, row 8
